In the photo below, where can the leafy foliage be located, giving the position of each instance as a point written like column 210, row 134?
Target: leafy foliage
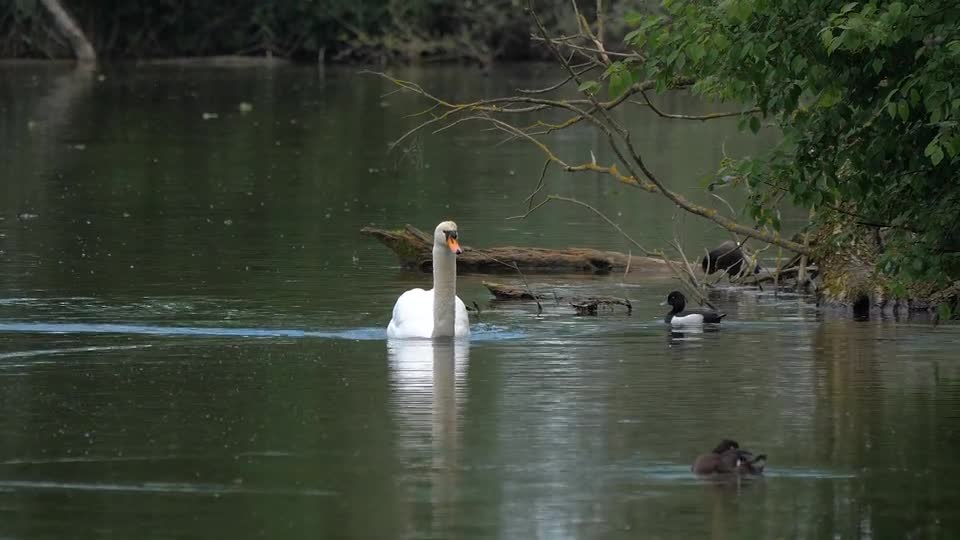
column 864, row 93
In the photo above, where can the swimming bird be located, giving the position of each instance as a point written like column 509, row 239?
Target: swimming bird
column 727, row 458
column 726, row 257
column 678, row 316
column 437, row 312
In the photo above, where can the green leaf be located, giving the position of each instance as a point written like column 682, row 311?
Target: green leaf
column 754, row 124
column 826, row 37
column 953, row 147
column 936, row 156
column 633, row 18
column 620, row 81
column 721, row 41
column 944, row 311
column 589, row 87
column 849, row 7
column 892, row 110
column 798, row 64
column 696, row 52
column 828, row 98
column 914, row 97
column 836, row 42
column 904, row 110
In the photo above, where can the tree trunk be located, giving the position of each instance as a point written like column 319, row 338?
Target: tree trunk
column 69, row 28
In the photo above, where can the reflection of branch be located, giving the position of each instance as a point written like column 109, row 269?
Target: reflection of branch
column 71, row 30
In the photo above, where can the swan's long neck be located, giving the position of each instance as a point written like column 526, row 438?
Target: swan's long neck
column 444, row 291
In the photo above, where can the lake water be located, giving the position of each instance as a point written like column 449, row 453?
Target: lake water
column 192, row 334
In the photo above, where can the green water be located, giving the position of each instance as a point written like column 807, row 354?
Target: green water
column 192, row 334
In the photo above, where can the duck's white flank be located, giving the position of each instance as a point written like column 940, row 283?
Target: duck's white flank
column 687, row 320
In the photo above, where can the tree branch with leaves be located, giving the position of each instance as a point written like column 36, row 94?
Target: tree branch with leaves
column 630, row 167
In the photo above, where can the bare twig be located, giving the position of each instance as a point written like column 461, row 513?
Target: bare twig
column 526, row 284
column 701, row 117
column 675, row 243
column 556, row 86
column 586, row 49
column 591, row 167
column 543, row 173
column 687, row 276
column 630, row 167
column 529, row 290
column 602, row 216
column 637, row 160
column 681, row 275
column 600, row 21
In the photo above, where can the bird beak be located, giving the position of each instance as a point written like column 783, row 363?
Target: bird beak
column 663, row 303
column 454, row 245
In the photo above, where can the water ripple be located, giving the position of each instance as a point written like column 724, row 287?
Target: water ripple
column 481, row 332
column 160, row 487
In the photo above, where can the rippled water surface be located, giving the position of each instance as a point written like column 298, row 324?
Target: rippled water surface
column 192, row 335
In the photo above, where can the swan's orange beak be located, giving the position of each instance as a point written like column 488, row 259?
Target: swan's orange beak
column 454, row 245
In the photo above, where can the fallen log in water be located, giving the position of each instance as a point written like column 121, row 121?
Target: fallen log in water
column 414, row 248
column 591, row 305
column 584, row 305
column 507, row 292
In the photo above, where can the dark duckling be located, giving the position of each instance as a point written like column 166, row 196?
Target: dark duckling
column 682, row 317
column 726, row 257
column 728, row 458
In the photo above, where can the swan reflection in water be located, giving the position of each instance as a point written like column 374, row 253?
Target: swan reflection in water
column 428, row 389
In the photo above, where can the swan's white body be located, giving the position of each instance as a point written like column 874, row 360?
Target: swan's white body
column 413, row 316
column 437, row 312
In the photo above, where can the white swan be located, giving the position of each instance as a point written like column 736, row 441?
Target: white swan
column 437, row 312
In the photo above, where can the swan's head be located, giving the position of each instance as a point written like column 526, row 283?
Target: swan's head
column 446, row 235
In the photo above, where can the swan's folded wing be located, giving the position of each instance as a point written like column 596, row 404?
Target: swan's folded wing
column 461, row 326
column 412, row 315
